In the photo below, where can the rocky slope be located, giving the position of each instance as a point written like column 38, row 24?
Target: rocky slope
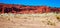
column 22, row 9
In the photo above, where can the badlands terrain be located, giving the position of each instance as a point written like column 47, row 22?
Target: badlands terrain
column 45, row 20
column 21, row 16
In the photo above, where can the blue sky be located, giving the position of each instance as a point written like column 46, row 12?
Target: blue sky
column 52, row 3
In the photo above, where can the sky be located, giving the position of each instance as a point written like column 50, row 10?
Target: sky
column 51, row 3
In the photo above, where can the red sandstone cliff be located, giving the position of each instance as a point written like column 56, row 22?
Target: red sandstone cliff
column 21, row 9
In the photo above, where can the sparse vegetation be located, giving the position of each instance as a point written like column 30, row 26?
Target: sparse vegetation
column 58, row 17
column 51, row 23
column 33, row 17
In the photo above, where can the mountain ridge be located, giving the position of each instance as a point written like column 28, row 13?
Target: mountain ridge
column 25, row 9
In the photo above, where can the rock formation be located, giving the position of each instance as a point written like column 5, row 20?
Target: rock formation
column 22, row 9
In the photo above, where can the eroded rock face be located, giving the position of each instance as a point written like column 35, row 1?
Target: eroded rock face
column 10, row 8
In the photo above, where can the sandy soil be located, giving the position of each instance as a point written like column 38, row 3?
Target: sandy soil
column 26, row 21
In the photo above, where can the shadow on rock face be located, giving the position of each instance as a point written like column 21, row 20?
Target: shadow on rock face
column 6, row 10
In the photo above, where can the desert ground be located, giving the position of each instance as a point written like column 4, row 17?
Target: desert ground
column 45, row 20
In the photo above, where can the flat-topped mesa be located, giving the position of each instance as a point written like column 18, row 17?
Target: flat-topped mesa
column 21, row 9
